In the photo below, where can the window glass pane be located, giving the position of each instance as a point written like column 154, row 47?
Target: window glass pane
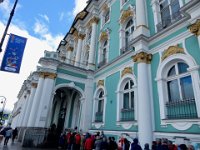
column 126, row 101
column 132, row 99
column 100, row 106
column 175, row 6
column 130, row 22
column 107, row 16
column 172, row 72
column 131, row 84
column 186, row 88
column 182, row 68
column 101, row 94
column 165, row 16
column 126, row 86
column 173, row 90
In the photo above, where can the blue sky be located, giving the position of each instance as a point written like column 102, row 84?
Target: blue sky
column 44, row 25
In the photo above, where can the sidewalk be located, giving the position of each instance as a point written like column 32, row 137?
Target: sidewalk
column 17, row 146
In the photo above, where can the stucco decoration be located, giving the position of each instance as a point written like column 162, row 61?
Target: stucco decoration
column 105, row 7
column 72, row 30
column 81, row 36
column 47, row 75
column 100, row 83
column 34, row 85
column 76, row 35
column 171, row 51
column 81, row 15
column 195, row 28
column 125, row 15
column 142, row 57
column 127, row 70
column 103, row 36
column 70, row 48
column 93, row 20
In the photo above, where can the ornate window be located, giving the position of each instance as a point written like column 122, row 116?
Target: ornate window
column 181, row 101
column 169, row 13
column 99, row 106
column 105, row 15
column 178, row 86
column 103, row 53
column 128, row 22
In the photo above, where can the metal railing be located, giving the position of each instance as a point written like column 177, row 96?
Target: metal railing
column 127, row 114
column 182, row 109
column 167, row 21
column 99, row 117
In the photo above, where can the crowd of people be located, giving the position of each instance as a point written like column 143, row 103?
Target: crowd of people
column 74, row 140
column 6, row 133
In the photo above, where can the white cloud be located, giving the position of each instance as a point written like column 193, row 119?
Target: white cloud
column 45, row 17
column 40, row 27
column 11, row 83
column 79, row 6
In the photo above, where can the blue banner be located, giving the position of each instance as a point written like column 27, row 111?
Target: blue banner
column 13, row 54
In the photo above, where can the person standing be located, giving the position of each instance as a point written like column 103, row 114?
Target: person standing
column 8, row 135
column 14, row 134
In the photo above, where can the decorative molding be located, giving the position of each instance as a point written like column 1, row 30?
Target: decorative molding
column 103, row 36
column 105, row 7
column 100, row 83
column 81, row 15
column 41, row 74
column 125, row 15
column 34, row 85
column 171, row 51
column 195, row 28
column 142, row 25
column 72, row 30
column 50, row 75
column 76, row 35
column 142, row 57
column 93, row 20
column 70, row 49
column 127, row 70
column 81, row 36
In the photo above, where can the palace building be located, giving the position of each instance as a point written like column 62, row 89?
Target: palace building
column 125, row 67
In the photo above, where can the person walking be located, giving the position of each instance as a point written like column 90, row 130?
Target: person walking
column 8, row 135
column 14, row 134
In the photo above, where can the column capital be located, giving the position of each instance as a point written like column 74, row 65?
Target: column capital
column 93, row 20
column 70, row 49
column 34, row 85
column 81, row 36
column 50, row 75
column 41, row 75
column 142, row 57
column 195, row 28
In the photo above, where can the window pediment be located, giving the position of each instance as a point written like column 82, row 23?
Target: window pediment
column 125, row 15
column 171, row 51
column 127, row 70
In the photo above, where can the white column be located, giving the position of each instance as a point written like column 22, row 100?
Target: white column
column 79, row 50
column 145, row 130
column 25, row 108
column 141, row 19
column 91, row 63
column 122, row 38
column 30, row 102
column 21, row 114
column 156, row 12
column 45, row 100
column 36, row 101
column 69, row 54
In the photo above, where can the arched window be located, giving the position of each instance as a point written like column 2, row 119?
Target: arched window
column 128, row 96
column 103, row 53
column 181, row 100
column 100, row 106
column 128, row 31
column 107, row 16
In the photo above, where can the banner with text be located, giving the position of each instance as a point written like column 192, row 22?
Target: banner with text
column 13, row 54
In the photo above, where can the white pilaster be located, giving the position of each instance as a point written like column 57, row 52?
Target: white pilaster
column 91, row 63
column 156, row 13
column 45, row 100
column 36, row 101
column 145, row 130
column 79, row 51
column 141, row 18
column 69, row 55
column 25, row 109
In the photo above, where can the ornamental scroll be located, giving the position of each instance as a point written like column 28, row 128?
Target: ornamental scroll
column 100, row 83
column 127, row 70
column 171, row 51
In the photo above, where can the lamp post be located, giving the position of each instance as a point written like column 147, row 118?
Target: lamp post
column 8, row 24
column 2, row 101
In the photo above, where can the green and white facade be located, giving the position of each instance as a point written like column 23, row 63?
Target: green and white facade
column 125, row 66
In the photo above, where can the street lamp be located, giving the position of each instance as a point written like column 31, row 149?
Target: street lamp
column 2, row 101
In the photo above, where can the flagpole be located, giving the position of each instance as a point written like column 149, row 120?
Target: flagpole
column 7, row 26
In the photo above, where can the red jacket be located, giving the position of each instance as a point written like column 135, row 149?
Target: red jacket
column 78, row 138
column 88, row 144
